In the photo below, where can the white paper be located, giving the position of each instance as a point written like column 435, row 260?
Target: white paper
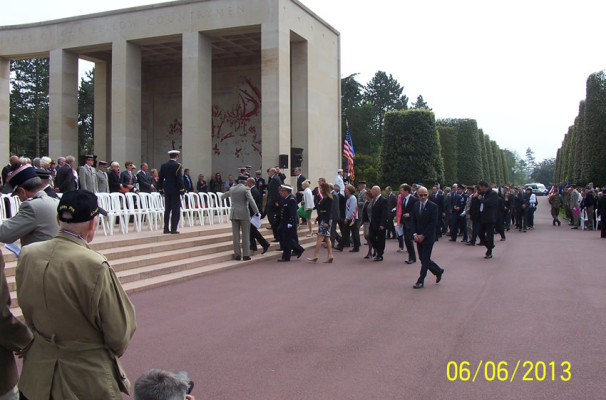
column 255, row 220
column 14, row 248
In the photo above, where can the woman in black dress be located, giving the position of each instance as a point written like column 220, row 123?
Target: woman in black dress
column 324, row 223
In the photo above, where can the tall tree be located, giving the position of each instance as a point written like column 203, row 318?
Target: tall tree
column 530, row 162
column 351, row 94
column 29, row 107
column 86, row 105
column 544, row 172
column 469, row 163
column 411, row 151
column 448, row 145
column 385, row 94
column 594, row 151
column 420, row 104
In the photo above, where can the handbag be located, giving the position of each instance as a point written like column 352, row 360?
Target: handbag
column 125, row 189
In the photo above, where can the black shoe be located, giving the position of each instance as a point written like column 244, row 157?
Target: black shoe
column 439, row 276
column 298, row 254
column 559, row 223
column 237, row 258
column 338, row 248
column 174, row 232
column 418, row 285
column 378, row 258
column 575, row 227
column 166, row 231
column 488, row 256
column 246, row 258
column 553, row 223
column 410, row 261
column 450, row 240
column 354, row 250
column 283, row 260
column 265, row 248
column 471, row 244
column 279, row 249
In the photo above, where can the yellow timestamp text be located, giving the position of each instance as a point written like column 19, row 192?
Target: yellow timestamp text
column 502, row 371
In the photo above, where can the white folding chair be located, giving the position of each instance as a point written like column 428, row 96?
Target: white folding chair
column 206, row 208
column 157, row 203
column 118, row 203
column 148, row 210
column 215, row 206
column 3, row 205
column 185, row 211
column 195, row 207
column 133, row 208
column 101, row 217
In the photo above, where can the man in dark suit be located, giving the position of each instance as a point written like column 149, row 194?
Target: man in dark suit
column 391, row 201
column 408, row 204
column 378, row 222
column 300, row 179
column 146, row 182
column 255, row 235
column 273, row 201
column 488, row 216
column 602, row 213
column 170, row 182
column 425, row 218
column 65, row 180
column 188, row 185
column 437, row 197
column 289, row 240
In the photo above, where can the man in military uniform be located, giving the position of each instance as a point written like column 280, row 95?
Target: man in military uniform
column 81, row 318
column 101, row 177
column 86, row 175
column 289, row 241
column 170, row 182
column 45, row 177
column 555, row 200
column 36, row 220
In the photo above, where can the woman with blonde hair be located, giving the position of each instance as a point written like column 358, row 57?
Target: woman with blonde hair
column 307, row 205
column 324, row 223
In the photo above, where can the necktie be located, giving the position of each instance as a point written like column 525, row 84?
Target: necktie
column 422, row 207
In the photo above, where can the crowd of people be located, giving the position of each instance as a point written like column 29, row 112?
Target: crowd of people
column 84, row 322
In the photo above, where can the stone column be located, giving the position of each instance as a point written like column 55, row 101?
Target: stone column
column 275, row 93
column 4, row 110
column 125, row 138
column 102, row 109
column 63, row 104
column 197, row 104
column 300, row 99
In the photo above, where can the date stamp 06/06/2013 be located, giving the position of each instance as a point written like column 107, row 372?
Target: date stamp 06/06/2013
column 526, row 371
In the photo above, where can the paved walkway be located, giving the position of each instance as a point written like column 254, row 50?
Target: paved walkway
column 356, row 329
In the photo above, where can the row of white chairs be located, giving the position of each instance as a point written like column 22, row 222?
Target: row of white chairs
column 9, row 206
column 148, row 209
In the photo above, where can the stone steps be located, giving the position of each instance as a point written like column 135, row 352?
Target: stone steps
column 150, row 259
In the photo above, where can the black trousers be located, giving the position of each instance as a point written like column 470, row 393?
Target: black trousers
column 256, row 236
column 289, row 241
column 424, row 249
column 487, row 235
column 172, row 211
column 408, row 241
column 272, row 217
column 352, row 232
column 377, row 238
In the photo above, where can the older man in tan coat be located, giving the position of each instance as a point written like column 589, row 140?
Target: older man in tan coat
column 14, row 337
column 72, row 301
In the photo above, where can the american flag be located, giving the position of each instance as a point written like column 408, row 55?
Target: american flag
column 349, row 153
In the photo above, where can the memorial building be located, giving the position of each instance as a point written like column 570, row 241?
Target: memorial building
column 227, row 82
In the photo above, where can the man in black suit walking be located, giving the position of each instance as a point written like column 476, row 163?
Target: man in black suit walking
column 378, row 222
column 170, row 182
column 602, row 213
column 425, row 218
column 408, row 205
column 488, row 216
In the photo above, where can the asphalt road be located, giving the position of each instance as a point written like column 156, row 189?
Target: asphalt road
column 356, row 329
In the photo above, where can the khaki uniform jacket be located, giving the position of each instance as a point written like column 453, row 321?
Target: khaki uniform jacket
column 241, row 198
column 102, row 185
column 81, row 318
column 36, row 221
column 14, row 335
column 87, row 177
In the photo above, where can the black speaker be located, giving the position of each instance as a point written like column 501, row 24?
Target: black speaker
column 296, row 156
column 283, row 161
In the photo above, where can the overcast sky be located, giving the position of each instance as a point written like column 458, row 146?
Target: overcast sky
column 518, row 67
